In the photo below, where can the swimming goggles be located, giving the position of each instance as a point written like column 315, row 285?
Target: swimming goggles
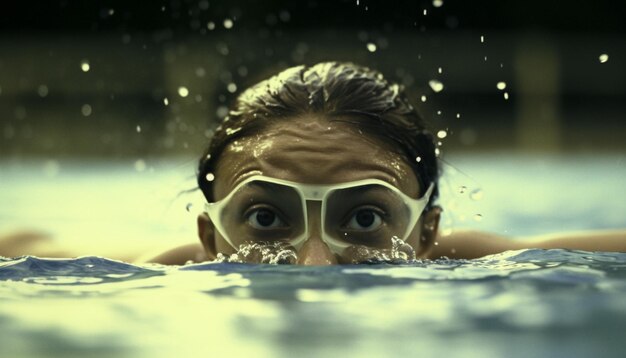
column 365, row 212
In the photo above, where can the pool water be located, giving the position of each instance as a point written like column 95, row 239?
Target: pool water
column 543, row 303
column 516, row 304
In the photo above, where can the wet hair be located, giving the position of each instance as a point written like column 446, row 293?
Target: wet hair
column 341, row 92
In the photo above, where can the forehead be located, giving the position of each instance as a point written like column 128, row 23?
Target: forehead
column 313, row 150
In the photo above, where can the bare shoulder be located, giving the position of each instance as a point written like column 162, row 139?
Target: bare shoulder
column 175, row 256
column 472, row 244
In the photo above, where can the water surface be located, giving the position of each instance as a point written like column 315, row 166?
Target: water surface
column 521, row 303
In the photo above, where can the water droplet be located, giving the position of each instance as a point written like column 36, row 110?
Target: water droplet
column 418, row 159
column 232, row 88
column 462, row 189
column 506, row 95
column 437, row 3
column 86, row 110
column 84, row 65
column 371, row 47
column 188, row 207
column 228, row 23
column 482, row 39
column 436, row 85
column 458, row 115
column 210, row 177
column 442, row 134
column 476, row 194
column 210, row 25
column 166, row 101
column 140, row 165
column 183, row 91
column 604, row 57
column 138, row 129
column 478, row 217
column 423, row 98
column 42, row 91
column 501, row 85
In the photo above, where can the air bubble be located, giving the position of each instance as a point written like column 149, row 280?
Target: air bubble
column 371, row 47
column 166, row 101
column 232, row 88
column 183, row 91
column 210, row 177
column 482, row 39
column 506, row 95
column 440, row 70
column 138, row 129
column 501, row 85
column 188, row 207
column 84, row 65
column 437, row 3
column 423, row 98
column 436, row 85
column 418, row 159
column 476, row 194
column 210, row 25
column 478, row 217
column 462, row 189
column 228, row 23
column 442, row 134
column 603, row 58
column 458, row 115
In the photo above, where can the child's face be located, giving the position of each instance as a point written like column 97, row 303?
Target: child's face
column 312, row 150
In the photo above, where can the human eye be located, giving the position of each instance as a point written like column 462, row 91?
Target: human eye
column 365, row 219
column 264, row 217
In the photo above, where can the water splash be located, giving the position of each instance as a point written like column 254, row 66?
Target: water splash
column 477, row 194
column 85, row 66
column 603, row 58
column 436, row 85
column 273, row 253
column 183, row 91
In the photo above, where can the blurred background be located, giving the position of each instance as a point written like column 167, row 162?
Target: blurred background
column 106, row 105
